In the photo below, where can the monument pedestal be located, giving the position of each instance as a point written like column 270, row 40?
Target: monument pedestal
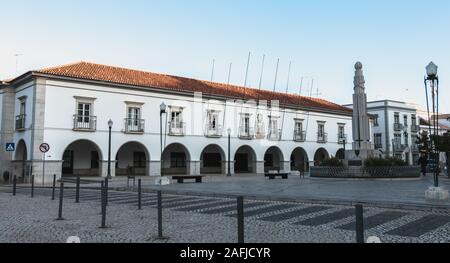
column 357, row 157
column 436, row 194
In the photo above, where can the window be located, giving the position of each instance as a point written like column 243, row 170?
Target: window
column 321, row 130
column 245, row 123
column 375, row 120
column 177, row 160
column 396, row 117
column 213, row 120
column 22, row 107
column 299, row 127
column 139, row 160
column 406, row 138
column 273, row 125
column 259, row 124
column 405, row 120
column 94, row 160
column 378, row 140
column 341, row 132
column 176, row 116
column 83, row 112
column 397, row 138
column 413, row 120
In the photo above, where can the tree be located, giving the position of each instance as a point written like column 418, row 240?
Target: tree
column 423, row 141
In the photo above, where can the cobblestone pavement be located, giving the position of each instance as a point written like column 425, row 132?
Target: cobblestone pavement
column 201, row 219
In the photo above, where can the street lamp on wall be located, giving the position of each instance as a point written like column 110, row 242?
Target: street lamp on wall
column 110, row 124
column 229, row 152
column 433, row 80
column 162, row 110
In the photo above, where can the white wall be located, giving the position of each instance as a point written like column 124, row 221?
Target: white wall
column 110, row 103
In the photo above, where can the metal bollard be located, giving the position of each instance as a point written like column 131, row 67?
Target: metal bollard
column 240, row 219
column 139, row 195
column 14, row 185
column 32, row 186
column 359, row 224
column 53, row 187
column 77, row 190
column 106, row 191
column 160, row 230
column 61, row 197
column 103, row 204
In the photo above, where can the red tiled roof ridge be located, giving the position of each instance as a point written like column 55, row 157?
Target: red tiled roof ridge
column 121, row 75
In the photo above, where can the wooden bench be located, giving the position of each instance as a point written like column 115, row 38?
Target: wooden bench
column 274, row 175
column 180, row 178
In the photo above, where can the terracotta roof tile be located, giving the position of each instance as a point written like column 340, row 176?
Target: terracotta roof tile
column 97, row 72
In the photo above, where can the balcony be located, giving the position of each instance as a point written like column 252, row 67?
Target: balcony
column 134, row 125
column 299, row 136
column 399, row 147
column 20, row 122
column 415, row 128
column 213, row 131
column 177, row 128
column 342, row 138
column 274, row 135
column 378, row 146
column 246, row 133
column 398, row 127
column 84, row 123
column 322, row 137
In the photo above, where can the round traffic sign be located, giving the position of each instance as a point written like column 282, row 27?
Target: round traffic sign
column 44, row 147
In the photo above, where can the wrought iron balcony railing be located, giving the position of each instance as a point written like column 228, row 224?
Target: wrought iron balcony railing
column 322, row 137
column 214, row 131
column 398, row 127
column 246, row 133
column 274, row 134
column 415, row 128
column 299, row 136
column 134, row 125
column 177, row 128
column 342, row 138
column 20, row 122
column 84, row 122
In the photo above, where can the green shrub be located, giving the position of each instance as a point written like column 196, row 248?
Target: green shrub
column 332, row 162
column 389, row 161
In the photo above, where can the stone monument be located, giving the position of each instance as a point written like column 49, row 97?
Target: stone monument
column 362, row 146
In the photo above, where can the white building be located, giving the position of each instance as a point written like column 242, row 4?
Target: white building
column 69, row 106
column 395, row 128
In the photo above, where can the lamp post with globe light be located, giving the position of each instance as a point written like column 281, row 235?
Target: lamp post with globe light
column 162, row 110
column 229, row 152
column 110, row 124
column 433, row 81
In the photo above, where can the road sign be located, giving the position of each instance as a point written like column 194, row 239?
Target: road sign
column 44, row 147
column 10, row 147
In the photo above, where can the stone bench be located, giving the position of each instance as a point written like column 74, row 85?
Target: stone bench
column 274, row 175
column 180, row 178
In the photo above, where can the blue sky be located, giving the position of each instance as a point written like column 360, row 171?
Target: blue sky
column 323, row 39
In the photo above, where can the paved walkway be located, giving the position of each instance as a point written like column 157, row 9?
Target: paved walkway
column 391, row 193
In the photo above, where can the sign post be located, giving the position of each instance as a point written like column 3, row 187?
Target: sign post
column 44, row 148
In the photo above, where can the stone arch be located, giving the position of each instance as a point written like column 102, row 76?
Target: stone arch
column 21, row 166
column 299, row 160
column 176, row 159
column 212, row 160
column 340, row 154
column 273, row 159
column 82, row 158
column 132, row 158
column 320, row 155
column 245, row 160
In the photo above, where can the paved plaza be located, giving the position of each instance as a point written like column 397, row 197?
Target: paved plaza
column 192, row 218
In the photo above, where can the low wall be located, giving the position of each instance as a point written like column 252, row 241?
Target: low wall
column 366, row 172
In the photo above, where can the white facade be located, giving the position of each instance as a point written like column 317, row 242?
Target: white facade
column 396, row 127
column 72, row 117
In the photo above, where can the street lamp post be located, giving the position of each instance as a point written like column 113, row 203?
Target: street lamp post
column 229, row 152
column 433, row 80
column 110, row 124
column 162, row 110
